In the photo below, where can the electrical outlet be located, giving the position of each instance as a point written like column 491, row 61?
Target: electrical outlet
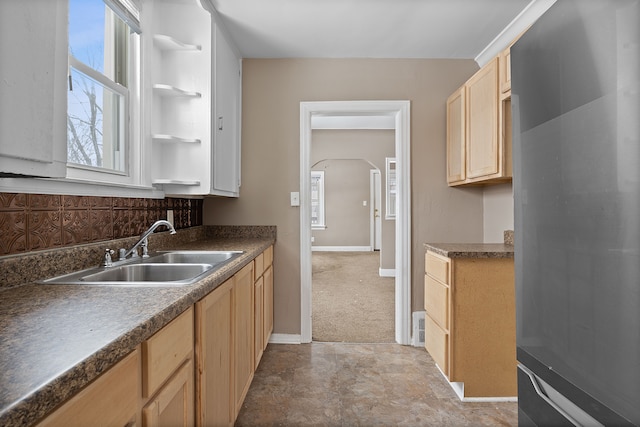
column 170, row 216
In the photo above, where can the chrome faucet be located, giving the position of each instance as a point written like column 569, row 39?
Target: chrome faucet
column 144, row 240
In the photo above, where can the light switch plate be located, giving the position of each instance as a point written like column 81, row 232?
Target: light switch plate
column 295, row 198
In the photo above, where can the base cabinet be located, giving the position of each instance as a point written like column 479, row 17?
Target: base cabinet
column 243, row 334
column 112, row 399
column 196, row 370
column 173, row 405
column 263, row 303
column 226, row 339
column 214, row 355
column 167, row 375
column 268, row 295
column 470, row 323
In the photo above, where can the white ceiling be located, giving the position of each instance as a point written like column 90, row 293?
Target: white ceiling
column 372, row 28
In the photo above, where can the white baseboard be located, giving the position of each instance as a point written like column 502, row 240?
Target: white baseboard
column 341, row 249
column 285, row 339
column 458, row 388
column 387, row 272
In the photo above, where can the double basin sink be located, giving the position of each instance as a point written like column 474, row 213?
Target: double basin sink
column 172, row 268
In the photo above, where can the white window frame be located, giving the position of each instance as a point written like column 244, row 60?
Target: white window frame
column 85, row 182
column 319, row 192
column 132, row 173
column 391, row 189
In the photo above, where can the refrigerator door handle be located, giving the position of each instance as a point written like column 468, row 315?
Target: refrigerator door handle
column 567, row 409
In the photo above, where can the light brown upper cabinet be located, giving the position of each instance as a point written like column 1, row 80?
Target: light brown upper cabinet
column 478, row 148
column 456, row 137
column 505, row 72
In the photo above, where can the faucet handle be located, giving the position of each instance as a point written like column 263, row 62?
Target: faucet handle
column 108, row 262
column 145, row 248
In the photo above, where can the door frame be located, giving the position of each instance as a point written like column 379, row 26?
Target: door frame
column 375, row 226
column 400, row 111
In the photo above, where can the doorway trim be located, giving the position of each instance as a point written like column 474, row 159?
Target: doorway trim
column 375, row 208
column 400, row 111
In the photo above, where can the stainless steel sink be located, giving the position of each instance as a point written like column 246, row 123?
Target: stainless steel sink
column 148, row 273
column 197, row 257
column 175, row 268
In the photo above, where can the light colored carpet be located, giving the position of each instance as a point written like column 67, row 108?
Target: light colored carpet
column 351, row 302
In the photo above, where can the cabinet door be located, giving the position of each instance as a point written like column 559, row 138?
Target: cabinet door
column 268, row 306
column 258, row 316
column 165, row 351
column 173, row 405
column 243, row 333
column 111, row 400
column 226, row 146
column 505, row 72
column 214, row 353
column 33, row 88
column 483, row 153
column 456, row 172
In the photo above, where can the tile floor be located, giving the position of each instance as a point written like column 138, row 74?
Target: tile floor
column 344, row 384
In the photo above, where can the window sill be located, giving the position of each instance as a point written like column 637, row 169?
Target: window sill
column 77, row 187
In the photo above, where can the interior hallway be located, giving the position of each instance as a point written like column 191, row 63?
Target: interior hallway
column 351, row 302
column 344, row 384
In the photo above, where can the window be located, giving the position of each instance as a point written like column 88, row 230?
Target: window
column 317, row 200
column 103, row 45
column 391, row 188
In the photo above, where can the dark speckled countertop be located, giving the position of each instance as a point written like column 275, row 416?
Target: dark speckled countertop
column 471, row 250
column 55, row 339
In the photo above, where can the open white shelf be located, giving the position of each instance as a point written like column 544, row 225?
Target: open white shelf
column 174, row 139
column 175, row 182
column 172, row 91
column 165, row 42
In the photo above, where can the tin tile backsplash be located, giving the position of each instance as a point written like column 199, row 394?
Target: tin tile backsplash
column 30, row 222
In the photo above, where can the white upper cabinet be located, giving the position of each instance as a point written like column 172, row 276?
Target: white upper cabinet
column 192, row 100
column 33, row 140
column 226, row 153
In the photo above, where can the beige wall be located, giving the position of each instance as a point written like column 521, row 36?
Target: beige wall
column 498, row 212
column 346, row 185
column 272, row 92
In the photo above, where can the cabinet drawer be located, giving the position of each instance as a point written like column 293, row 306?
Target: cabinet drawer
column 436, row 301
column 164, row 352
column 436, row 341
column 437, row 267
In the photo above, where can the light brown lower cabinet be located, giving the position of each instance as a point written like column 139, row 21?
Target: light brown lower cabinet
column 215, row 405
column 226, row 339
column 243, row 359
column 167, row 374
column 173, row 404
column 258, row 320
column 196, row 370
column 263, row 302
column 268, row 306
column 111, row 400
column 470, row 323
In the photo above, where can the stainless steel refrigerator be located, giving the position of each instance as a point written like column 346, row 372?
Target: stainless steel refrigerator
column 576, row 130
